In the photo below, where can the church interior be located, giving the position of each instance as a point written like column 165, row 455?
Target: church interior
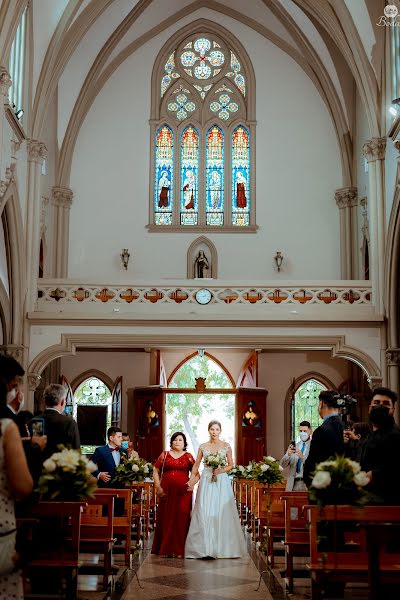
column 200, row 219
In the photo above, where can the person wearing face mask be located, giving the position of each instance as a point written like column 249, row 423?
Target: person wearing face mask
column 128, row 446
column 293, row 460
column 327, row 439
column 381, row 448
column 12, row 373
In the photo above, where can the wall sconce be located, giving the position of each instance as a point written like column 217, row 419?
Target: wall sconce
column 125, row 257
column 279, row 260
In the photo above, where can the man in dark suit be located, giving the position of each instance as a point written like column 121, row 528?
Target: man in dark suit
column 327, row 439
column 108, row 457
column 60, row 428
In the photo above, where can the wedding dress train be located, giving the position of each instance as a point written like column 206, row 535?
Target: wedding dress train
column 215, row 529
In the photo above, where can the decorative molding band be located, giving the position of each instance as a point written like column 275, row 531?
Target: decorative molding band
column 346, row 197
column 37, row 151
column 374, row 149
column 59, row 293
column 200, row 229
column 393, row 357
column 62, row 196
column 336, row 344
column 5, row 81
column 14, row 351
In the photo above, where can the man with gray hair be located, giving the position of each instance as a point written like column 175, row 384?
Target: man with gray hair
column 59, row 428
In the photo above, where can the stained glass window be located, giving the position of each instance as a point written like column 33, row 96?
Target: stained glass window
column 305, row 406
column 189, row 176
column 164, row 176
column 203, row 119
column 240, row 176
column 215, row 176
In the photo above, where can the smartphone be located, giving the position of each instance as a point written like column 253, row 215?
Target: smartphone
column 36, row 426
column 293, row 444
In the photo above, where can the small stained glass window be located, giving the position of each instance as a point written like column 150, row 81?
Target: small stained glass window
column 189, row 176
column 164, row 176
column 240, row 177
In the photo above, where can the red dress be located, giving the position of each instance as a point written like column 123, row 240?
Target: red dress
column 173, row 515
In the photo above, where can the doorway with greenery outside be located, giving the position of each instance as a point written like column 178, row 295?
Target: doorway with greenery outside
column 191, row 412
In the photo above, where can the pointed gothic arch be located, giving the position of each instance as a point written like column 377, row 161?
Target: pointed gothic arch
column 202, row 243
column 211, row 357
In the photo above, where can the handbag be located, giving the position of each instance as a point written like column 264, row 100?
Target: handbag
column 7, row 552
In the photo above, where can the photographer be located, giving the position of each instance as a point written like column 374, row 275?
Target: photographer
column 293, row 460
column 327, row 439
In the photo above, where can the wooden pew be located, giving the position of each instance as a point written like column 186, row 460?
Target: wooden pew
column 122, row 525
column 275, row 521
column 55, row 549
column 97, row 532
column 297, row 538
column 345, row 556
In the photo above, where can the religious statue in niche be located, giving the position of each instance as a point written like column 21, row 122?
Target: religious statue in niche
column 149, row 418
column 163, row 187
column 241, row 200
column 251, row 418
column 201, row 264
column 188, row 189
column 215, row 190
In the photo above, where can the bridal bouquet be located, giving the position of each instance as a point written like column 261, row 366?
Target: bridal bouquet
column 132, row 469
column 215, row 460
column 338, row 481
column 67, row 476
column 268, row 471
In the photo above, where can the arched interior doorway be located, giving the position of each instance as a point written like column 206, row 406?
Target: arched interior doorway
column 305, row 405
column 191, row 412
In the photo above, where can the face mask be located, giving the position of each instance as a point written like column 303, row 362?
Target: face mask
column 11, row 395
column 125, row 445
column 304, row 436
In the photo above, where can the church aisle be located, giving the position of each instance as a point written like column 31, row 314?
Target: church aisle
column 179, row 579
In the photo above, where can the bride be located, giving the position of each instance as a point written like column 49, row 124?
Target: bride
column 215, row 530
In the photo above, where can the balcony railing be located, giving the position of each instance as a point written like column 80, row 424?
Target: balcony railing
column 181, row 297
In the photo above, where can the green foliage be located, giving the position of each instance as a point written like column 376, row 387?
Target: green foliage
column 338, row 481
column 268, row 471
column 135, row 469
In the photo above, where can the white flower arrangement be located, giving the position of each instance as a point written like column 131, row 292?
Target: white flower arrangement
column 214, row 460
column 132, row 469
column 67, row 475
column 338, row 481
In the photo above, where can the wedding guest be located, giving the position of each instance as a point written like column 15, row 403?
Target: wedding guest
column 128, row 445
column 59, row 428
column 15, row 483
column 356, row 439
column 215, row 530
column 295, row 457
column 171, row 474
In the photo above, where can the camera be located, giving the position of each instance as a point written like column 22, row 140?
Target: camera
column 345, row 402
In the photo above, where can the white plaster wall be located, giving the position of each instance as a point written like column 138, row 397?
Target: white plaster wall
column 133, row 366
column 362, row 134
column 391, row 166
column 276, row 373
column 298, row 170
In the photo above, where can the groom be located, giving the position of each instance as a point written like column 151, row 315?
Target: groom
column 108, row 457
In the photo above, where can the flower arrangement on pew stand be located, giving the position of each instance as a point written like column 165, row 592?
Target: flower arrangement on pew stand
column 67, row 477
column 132, row 470
column 339, row 481
column 268, row 472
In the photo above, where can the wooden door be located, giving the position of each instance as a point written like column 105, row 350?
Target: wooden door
column 251, row 411
column 148, row 419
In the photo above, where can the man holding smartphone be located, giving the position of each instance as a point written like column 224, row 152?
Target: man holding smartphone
column 295, row 457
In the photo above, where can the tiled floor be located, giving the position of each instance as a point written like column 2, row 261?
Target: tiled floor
column 179, row 579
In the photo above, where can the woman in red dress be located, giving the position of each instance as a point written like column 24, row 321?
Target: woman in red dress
column 171, row 474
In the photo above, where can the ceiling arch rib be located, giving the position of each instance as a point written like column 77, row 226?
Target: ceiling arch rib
column 328, row 89
column 63, row 44
column 344, row 34
column 95, row 81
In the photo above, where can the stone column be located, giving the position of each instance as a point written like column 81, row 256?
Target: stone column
column 62, row 202
column 374, row 152
column 393, row 364
column 5, row 83
column 347, row 200
column 33, row 382
column 37, row 152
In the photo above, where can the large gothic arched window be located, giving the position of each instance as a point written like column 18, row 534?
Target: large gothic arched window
column 203, row 130
column 305, row 405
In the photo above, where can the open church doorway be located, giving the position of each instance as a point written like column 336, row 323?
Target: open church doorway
column 197, row 397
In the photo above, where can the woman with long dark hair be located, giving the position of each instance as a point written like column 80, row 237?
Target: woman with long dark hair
column 15, row 483
column 171, row 473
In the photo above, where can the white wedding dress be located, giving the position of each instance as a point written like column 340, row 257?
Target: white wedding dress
column 215, row 528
